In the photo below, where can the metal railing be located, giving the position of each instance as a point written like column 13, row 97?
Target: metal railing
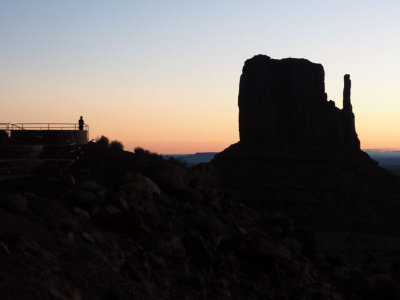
column 63, row 156
column 42, row 126
column 8, row 127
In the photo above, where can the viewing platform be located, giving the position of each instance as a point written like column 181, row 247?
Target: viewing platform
column 43, row 134
column 37, row 148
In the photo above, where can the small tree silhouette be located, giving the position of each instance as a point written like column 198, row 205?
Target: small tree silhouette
column 141, row 151
column 116, row 145
column 103, row 140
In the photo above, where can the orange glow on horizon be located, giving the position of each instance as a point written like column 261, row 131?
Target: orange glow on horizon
column 165, row 76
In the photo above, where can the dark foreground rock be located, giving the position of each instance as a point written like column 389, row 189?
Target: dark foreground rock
column 109, row 230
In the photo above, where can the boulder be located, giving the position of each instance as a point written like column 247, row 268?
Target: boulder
column 87, row 199
column 171, row 177
column 69, row 224
column 15, row 202
column 139, row 184
column 177, row 247
column 112, row 210
column 82, row 215
column 91, row 186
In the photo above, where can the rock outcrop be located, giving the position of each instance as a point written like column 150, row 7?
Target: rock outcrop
column 285, row 101
column 298, row 153
column 300, row 156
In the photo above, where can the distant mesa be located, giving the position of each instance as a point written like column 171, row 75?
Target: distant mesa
column 193, row 159
column 285, row 101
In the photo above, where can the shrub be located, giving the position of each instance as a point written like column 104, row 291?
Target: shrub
column 116, row 145
column 103, row 140
column 141, row 151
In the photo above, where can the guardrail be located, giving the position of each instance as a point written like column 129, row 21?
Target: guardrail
column 42, row 126
column 8, row 127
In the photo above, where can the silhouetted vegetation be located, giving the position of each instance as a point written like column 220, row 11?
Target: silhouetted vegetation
column 146, row 154
column 141, row 152
column 103, row 140
column 116, row 145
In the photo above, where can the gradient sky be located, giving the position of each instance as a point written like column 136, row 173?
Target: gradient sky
column 164, row 75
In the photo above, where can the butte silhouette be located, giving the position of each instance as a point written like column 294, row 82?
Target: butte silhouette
column 300, row 155
column 285, row 101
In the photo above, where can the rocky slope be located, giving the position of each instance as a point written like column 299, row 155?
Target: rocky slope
column 119, row 225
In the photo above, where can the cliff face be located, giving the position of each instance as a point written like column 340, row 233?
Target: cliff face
column 285, row 101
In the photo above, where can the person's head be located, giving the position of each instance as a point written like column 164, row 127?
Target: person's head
column 81, row 117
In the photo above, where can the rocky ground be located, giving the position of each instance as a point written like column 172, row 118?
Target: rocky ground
column 119, row 225
column 342, row 195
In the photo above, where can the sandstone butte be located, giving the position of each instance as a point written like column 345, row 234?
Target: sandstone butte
column 285, row 101
column 299, row 154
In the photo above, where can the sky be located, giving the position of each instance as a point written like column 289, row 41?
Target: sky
column 164, row 75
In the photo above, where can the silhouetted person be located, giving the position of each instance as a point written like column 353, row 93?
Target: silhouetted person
column 81, row 123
